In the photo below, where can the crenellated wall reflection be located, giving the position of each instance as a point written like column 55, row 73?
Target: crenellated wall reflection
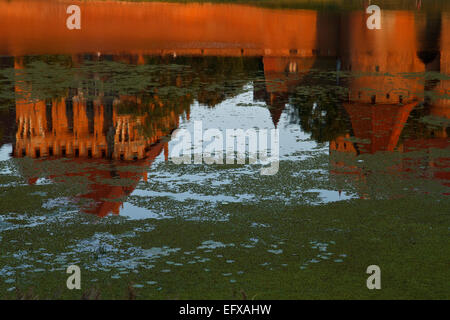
column 94, row 134
column 395, row 93
column 365, row 92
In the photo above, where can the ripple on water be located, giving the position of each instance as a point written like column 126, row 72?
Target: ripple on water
column 278, row 251
column 211, row 244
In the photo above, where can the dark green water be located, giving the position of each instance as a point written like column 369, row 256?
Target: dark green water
column 363, row 174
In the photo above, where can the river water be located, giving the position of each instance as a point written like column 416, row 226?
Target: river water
column 92, row 122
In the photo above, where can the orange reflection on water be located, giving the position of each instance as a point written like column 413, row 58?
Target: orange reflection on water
column 290, row 43
column 38, row 27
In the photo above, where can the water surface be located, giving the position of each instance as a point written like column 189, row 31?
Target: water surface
column 86, row 135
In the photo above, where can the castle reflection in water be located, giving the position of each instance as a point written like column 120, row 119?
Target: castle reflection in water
column 388, row 88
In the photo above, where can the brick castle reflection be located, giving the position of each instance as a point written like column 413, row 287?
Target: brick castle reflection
column 92, row 131
column 378, row 106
